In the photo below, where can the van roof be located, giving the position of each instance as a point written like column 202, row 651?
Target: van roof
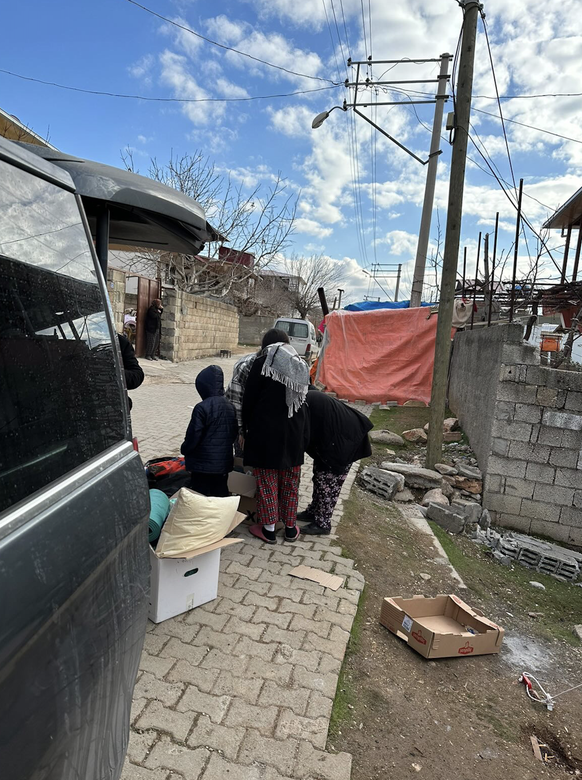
column 17, row 155
column 293, row 319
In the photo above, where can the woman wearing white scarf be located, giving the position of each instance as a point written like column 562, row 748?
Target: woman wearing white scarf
column 276, row 432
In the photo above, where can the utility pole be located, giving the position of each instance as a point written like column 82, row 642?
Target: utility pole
column 442, row 350
column 398, row 282
column 341, row 292
column 423, row 235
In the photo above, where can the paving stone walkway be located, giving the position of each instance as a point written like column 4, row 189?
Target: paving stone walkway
column 242, row 687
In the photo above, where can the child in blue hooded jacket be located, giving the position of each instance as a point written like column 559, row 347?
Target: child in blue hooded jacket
column 210, row 436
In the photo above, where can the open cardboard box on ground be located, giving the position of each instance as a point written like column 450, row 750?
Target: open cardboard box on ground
column 245, row 486
column 180, row 584
column 440, row 627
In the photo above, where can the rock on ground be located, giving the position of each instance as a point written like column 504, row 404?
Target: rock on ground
column 386, row 437
column 415, row 435
column 451, row 424
column 445, row 470
column 415, row 476
column 435, row 496
column 470, row 485
column 469, row 471
column 446, row 517
column 417, row 404
column 449, row 436
column 404, row 496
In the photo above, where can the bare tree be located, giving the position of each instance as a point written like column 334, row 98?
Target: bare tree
column 258, row 221
column 306, row 275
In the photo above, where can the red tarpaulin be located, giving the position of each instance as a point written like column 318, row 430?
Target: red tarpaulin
column 383, row 355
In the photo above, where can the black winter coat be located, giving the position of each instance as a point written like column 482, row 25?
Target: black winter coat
column 339, row 434
column 273, row 440
column 153, row 319
column 213, row 427
column 134, row 375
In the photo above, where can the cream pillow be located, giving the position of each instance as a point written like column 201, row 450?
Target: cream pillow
column 194, row 522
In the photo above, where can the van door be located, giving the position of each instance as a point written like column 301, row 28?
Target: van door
column 73, row 497
column 298, row 333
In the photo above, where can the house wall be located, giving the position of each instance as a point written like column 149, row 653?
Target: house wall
column 193, row 326
column 251, row 329
column 116, row 292
column 524, row 422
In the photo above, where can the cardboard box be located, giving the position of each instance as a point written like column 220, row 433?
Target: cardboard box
column 245, row 486
column 441, row 627
column 180, row 584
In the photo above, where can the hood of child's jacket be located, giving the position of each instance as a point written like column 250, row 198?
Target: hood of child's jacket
column 210, row 382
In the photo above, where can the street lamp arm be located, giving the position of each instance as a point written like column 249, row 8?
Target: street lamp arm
column 320, row 118
column 359, row 113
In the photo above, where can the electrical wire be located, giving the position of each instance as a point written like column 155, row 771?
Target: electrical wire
column 364, row 29
column 345, row 26
column 338, row 32
column 498, row 99
column 224, row 46
column 331, row 39
column 528, row 97
column 530, row 127
column 70, row 88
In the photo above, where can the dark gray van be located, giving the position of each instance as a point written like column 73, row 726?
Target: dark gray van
column 73, row 498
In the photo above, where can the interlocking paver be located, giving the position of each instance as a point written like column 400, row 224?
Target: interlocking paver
column 312, row 729
column 276, row 753
column 246, row 681
column 247, row 716
column 156, row 716
column 226, row 739
column 194, row 700
column 168, row 755
column 200, row 676
column 149, row 687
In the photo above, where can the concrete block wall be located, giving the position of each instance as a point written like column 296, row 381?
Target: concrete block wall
column 252, row 329
column 194, row 327
column 532, row 459
column 116, row 292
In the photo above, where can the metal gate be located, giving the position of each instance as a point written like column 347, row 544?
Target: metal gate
column 147, row 291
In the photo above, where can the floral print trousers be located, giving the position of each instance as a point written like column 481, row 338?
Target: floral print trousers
column 326, row 489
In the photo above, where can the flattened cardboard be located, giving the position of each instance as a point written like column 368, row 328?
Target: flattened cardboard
column 236, row 521
column 331, row 581
column 441, row 627
column 242, row 484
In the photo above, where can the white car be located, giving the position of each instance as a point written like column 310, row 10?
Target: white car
column 302, row 336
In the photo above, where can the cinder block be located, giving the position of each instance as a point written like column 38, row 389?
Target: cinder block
column 529, row 413
column 512, row 374
column 504, row 410
column 520, row 354
column 494, row 484
column 575, row 536
column 506, row 467
column 519, row 487
column 566, row 458
column 515, row 431
column 547, row 396
column 555, row 531
column 516, row 392
column 499, row 446
column 537, row 375
column 554, row 494
column 568, row 478
column 578, row 499
column 537, row 472
column 573, row 401
column 551, row 436
column 499, row 502
column 534, row 453
column 515, row 522
column 554, row 419
column 571, row 516
column 538, row 510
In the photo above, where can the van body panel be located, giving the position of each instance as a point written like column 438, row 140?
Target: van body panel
column 302, row 336
column 74, row 569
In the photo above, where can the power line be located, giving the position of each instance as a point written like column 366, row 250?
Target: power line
column 224, row 46
column 530, row 127
column 529, row 97
column 331, row 39
column 364, row 29
column 338, row 32
column 161, row 99
column 498, row 100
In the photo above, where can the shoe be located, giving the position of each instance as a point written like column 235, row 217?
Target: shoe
column 305, row 516
column 265, row 536
column 149, row 358
column 313, row 528
column 292, row 534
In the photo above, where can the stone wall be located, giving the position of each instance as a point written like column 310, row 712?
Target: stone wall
column 525, row 424
column 194, row 327
column 251, row 329
column 116, row 291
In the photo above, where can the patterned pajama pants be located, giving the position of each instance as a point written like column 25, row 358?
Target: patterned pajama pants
column 277, row 495
column 326, row 489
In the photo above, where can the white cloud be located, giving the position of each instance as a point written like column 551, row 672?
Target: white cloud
column 312, row 228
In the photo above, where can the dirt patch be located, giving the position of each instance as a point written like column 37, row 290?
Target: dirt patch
column 402, row 716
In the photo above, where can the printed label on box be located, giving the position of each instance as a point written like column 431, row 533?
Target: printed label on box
column 466, row 650
column 407, row 623
column 191, row 601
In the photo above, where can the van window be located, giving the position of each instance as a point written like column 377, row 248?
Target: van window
column 296, row 330
column 60, row 397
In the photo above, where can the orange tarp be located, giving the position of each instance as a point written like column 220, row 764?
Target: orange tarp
column 381, row 355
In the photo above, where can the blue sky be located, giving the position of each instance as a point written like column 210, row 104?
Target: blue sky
column 117, row 47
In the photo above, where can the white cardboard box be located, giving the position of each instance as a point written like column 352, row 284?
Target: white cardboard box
column 180, row 584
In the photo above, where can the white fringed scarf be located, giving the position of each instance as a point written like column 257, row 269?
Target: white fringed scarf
column 283, row 364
